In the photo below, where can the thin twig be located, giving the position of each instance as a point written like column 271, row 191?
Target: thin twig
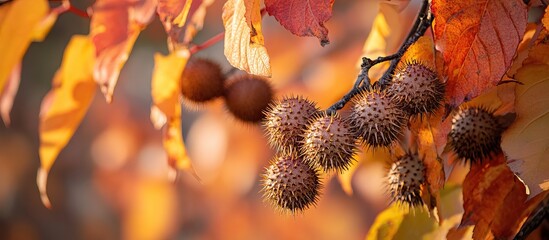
column 422, row 23
column 78, row 12
column 208, row 43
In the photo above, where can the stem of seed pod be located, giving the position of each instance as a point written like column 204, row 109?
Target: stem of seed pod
column 78, row 12
column 208, row 43
column 422, row 23
column 215, row 39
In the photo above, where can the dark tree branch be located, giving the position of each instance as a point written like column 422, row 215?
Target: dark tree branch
column 422, row 23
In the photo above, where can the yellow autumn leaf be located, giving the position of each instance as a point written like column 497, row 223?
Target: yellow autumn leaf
column 65, row 105
column 386, row 35
column 8, row 94
column 166, row 92
column 345, row 178
column 422, row 51
column 166, row 80
column 244, row 47
column 396, row 222
column 526, row 141
column 17, row 22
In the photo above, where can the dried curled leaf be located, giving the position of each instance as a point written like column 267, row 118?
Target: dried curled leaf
column 244, row 46
column 478, row 40
column 303, row 17
column 17, row 22
column 114, row 28
column 65, row 105
column 166, row 92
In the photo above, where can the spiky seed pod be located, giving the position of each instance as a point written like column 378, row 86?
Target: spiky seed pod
column 202, row 80
column 475, row 134
column 248, row 96
column 329, row 142
column 377, row 119
column 405, row 178
column 291, row 184
column 286, row 121
column 417, row 89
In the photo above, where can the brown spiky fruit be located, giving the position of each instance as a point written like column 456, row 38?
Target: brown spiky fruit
column 417, row 89
column 286, row 121
column 405, row 179
column 475, row 134
column 247, row 97
column 378, row 120
column 202, row 80
column 290, row 184
column 329, row 142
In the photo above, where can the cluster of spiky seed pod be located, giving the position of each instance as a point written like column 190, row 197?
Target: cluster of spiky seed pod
column 308, row 139
column 304, row 136
column 380, row 116
column 246, row 96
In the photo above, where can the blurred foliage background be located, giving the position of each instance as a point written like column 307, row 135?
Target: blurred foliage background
column 111, row 182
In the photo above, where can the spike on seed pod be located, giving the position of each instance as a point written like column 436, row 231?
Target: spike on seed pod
column 417, row 89
column 247, row 97
column 329, row 142
column 286, row 121
column 377, row 119
column 290, row 184
column 475, row 134
column 405, row 179
column 201, row 81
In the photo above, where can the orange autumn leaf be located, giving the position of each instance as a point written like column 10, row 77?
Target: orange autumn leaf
column 303, row 17
column 478, row 40
column 114, row 28
column 430, row 148
column 17, row 22
column 166, row 111
column 244, row 46
column 65, row 105
column 545, row 19
column 492, row 198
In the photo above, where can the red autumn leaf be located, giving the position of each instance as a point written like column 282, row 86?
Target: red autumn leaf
column 114, row 28
column 478, row 40
column 493, row 198
column 303, row 17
